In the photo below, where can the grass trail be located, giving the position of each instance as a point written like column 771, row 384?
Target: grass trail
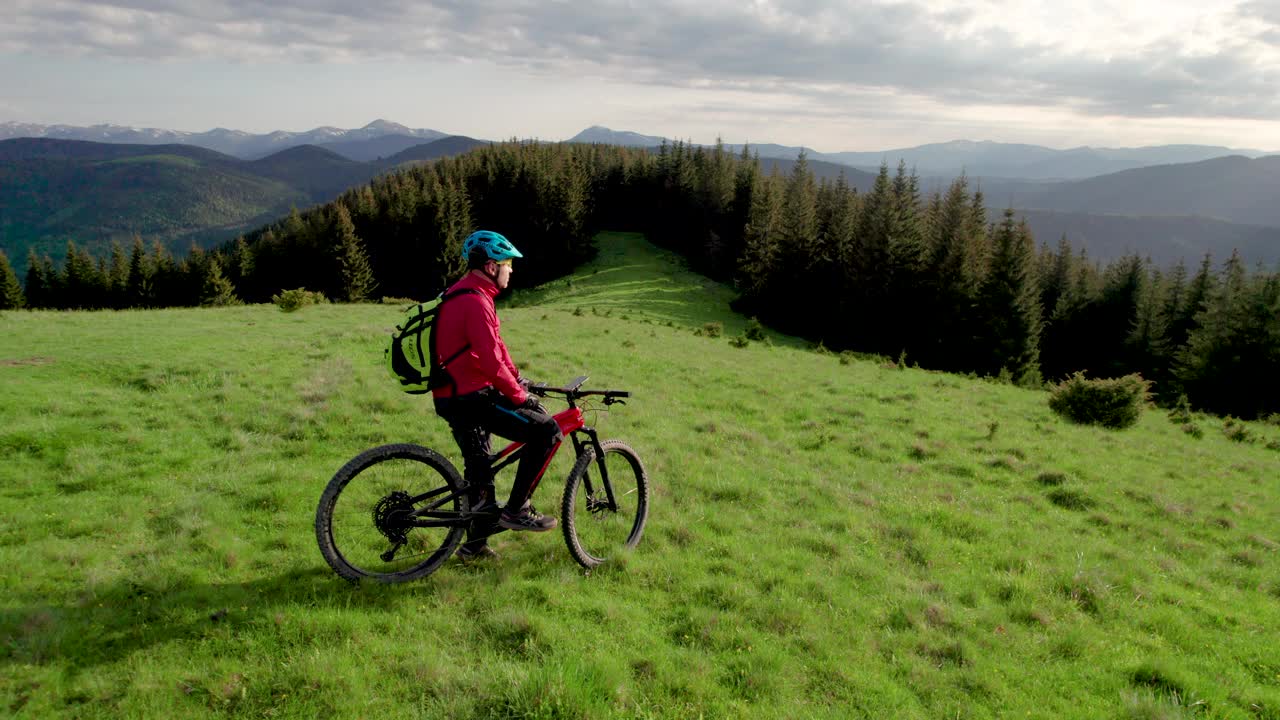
column 827, row 539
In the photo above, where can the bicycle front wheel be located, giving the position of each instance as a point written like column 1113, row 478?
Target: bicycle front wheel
column 364, row 523
column 606, row 503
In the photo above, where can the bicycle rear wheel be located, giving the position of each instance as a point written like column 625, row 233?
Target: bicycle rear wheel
column 362, row 522
column 599, row 521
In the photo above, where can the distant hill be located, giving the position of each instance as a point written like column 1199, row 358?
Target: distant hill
column 444, row 147
column 1034, row 162
column 1164, row 239
column 1235, row 189
column 236, row 143
column 372, row 148
column 321, row 174
column 605, row 136
column 859, row 179
column 52, row 191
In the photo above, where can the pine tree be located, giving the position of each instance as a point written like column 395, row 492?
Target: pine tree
column 453, row 221
column 241, row 267
column 138, row 287
column 1009, row 305
column 217, row 290
column 116, row 277
column 10, row 290
column 949, row 286
column 1146, row 346
column 869, row 275
column 357, row 276
column 1228, row 364
column 799, row 252
column 80, row 279
column 1114, row 317
column 1184, row 312
column 757, row 269
column 42, row 280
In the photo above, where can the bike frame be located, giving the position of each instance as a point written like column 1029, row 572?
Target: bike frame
column 572, row 424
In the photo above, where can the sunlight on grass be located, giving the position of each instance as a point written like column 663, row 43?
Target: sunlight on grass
column 828, row 537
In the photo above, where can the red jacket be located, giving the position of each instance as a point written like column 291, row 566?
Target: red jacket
column 471, row 318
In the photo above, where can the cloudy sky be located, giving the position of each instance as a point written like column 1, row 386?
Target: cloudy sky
column 826, row 74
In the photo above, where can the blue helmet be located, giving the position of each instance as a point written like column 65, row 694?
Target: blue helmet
column 495, row 246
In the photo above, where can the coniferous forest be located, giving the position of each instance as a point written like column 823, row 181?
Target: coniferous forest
column 892, row 271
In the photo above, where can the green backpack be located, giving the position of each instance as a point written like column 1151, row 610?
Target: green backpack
column 410, row 359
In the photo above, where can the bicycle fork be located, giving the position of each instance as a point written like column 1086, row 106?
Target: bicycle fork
column 595, row 504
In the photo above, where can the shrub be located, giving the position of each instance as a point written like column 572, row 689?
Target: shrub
column 1180, row 414
column 401, row 301
column 1236, row 431
column 739, row 342
column 1113, row 403
column 290, row 300
column 755, row 330
column 712, row 329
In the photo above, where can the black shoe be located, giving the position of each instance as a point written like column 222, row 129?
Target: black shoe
column 527, row 519
column 484, row 552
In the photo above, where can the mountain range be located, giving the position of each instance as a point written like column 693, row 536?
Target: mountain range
column 54, row 190
column 380, row 137
column 983, row 159
column 180, row 192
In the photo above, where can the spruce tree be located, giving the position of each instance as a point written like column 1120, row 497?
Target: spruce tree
column 453, row 221
column 1184, row 312
column 11, row 297
column 870, row 273
column 42, row 280
column 1228, row 364
column 357, row 276
column 1009, row 306
column 949, row 286
column 138, row 288
column 217, row 290
column 799, row 252
column 80, row 280
column 757, row 269
column 116, row 277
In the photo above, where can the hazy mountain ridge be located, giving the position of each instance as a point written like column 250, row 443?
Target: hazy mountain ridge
column 236, row 143
column 52, row 190
column 55, row 190
column 981, row 159
column 382, row 139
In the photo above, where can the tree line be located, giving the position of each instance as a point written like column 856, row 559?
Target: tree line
column 891, row 271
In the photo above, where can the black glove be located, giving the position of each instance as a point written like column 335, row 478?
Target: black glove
column 531, row 403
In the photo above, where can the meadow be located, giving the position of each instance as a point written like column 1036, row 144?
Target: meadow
column 829, row 536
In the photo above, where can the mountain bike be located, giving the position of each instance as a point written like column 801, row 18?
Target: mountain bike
column 397, row 512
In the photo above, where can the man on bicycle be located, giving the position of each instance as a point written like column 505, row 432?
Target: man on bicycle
column 486, row 393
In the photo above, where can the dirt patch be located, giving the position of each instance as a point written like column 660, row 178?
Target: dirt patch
column 5, row 362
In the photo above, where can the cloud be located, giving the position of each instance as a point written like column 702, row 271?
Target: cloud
column 1162, row 60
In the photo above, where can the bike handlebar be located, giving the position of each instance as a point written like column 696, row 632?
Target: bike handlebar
column 573, row 390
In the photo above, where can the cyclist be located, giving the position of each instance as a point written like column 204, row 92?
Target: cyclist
column 486, row 393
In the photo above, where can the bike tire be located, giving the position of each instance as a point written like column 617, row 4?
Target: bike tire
column 594, row 532
column 347, row 528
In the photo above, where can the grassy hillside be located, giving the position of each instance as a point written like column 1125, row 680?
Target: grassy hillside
column 827, row 539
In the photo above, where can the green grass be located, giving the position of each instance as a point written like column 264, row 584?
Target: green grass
column 827, row 539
